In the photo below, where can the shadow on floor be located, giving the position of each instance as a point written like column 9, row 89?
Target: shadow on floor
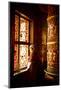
column 27, row 79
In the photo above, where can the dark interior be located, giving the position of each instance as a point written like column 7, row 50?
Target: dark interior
column 35, row 76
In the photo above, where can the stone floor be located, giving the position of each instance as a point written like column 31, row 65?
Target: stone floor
column 28, row 79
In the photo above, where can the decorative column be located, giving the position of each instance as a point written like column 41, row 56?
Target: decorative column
column 52, row 43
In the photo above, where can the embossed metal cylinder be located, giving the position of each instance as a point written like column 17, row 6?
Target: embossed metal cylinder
column 52, row 44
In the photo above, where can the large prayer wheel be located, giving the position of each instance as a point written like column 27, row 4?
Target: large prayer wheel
column 52, row 42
